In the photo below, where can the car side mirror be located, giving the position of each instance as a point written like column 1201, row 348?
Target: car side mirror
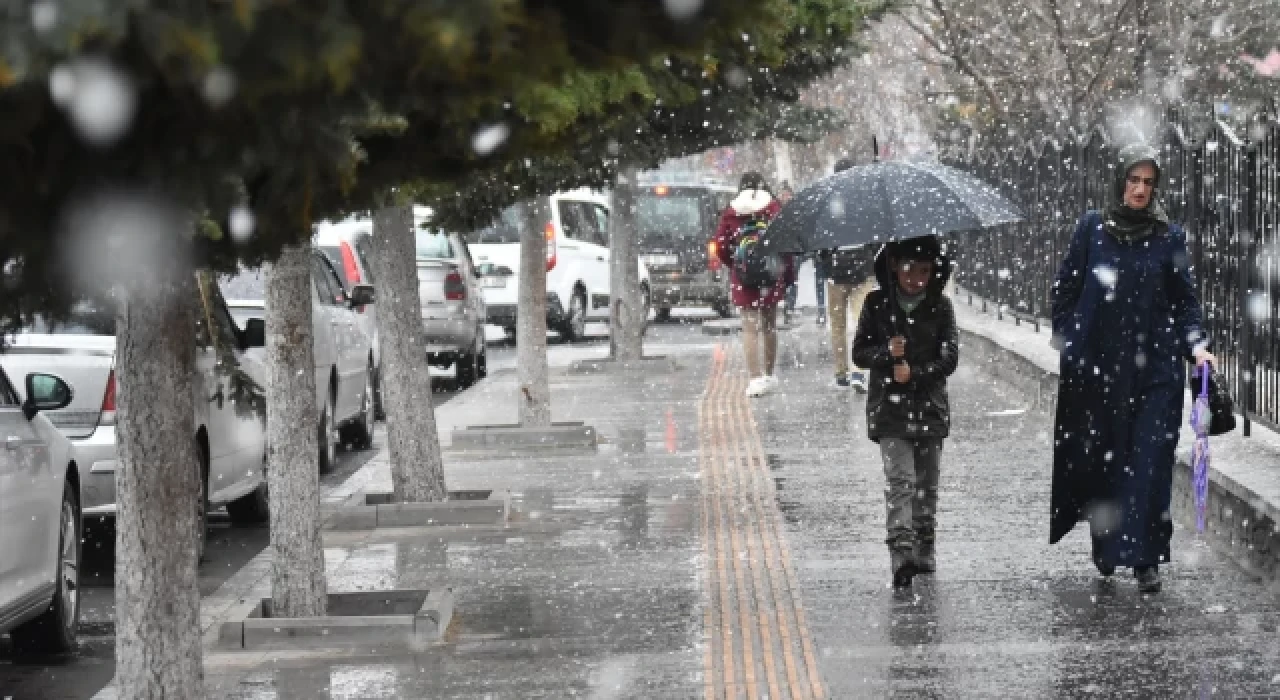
column 362, row 295
column 45, row 392
column 255, row 334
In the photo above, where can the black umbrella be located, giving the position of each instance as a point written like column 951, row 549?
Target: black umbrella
column 886, row 201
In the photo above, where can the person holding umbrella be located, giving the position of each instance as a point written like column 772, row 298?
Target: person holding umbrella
column 1125, row 320
column 754, row 205
column 907, row 336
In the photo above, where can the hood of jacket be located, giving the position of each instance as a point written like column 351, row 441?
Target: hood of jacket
column 941, row 267
column 750, row 202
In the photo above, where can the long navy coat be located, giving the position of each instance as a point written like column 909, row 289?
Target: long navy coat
column 1126, row 319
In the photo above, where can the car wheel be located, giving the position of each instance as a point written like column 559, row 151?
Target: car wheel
column 663, row 315
column 482, row 359
column 360, row 433
column 202, row 504
column 575, row 327
column 253, row 508
column 379, row 412
column 54, row 631
column 723, row 309
column 646, row 305
column 328, row 441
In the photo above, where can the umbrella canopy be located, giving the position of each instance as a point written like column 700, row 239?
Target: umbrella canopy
column 886, row 201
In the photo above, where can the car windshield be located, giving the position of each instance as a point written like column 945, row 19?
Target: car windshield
column 433, row 244
column 506, row 229
column 85, row 319
column 677, row 216
column 249, row 285
column 334, row 254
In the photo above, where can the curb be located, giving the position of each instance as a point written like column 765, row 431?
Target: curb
column 1239, row 519
column 500, row 437
column 410, row 619
column 371, row 510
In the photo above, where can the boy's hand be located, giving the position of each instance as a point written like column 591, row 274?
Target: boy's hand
column 902, row 373
column 898, row 346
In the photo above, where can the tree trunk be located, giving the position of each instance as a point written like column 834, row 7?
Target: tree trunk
column 293, row 479
column 417, row 470
column 531, row 317
column 157, row 486
column 628, row 316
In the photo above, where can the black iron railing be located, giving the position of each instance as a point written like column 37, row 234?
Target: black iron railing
column 1224, row 189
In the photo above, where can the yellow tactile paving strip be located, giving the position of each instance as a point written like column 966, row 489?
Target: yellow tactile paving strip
column 757, row 643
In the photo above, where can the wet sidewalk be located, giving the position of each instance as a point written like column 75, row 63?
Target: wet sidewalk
column 716, row 547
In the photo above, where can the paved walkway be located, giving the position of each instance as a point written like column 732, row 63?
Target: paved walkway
column 716, row 547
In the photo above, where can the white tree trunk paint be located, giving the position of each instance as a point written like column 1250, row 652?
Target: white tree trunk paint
column 417, row 469
column 157, row 601
column 293, row 479
column 628, row 316
column 531, row 317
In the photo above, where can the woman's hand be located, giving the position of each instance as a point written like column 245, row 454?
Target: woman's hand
column 902, row 373
column 1202, row 356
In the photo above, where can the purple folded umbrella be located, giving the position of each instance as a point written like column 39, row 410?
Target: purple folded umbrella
column 1200, row 418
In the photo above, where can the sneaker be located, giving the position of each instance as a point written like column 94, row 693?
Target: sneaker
column 770, row 382
column 756, row 387
column 842, row 382
column 858, row 380
column 1148, row 578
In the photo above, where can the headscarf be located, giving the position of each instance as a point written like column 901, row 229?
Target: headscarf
column 1126, row 224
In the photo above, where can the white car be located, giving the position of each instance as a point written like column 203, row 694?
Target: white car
column 349, row 245
column 39, row 518
column 577, row 263
column 230, row 432
column 344, row 362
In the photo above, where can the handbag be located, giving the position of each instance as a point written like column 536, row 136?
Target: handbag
column 1221, row 408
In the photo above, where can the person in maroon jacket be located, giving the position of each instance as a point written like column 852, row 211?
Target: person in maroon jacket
column 759, row 307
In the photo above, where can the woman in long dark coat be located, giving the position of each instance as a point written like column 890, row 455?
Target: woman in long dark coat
column 1126, row 319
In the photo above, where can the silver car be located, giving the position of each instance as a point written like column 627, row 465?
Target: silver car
column 39, row 518
column 453, row 308
column 230, row 432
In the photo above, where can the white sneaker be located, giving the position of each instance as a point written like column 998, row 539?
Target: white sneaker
column 770, row 382
column 756, row 387
column 859, row 381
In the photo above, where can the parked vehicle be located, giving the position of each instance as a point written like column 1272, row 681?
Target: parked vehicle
column 676, row 222
column 577, row 263
column 39, row 518
column 349, row 245
column 453, row 306
column 344, row 363
column 229, row 435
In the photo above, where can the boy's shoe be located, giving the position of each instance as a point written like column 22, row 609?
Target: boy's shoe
column 903, row 564
column 1148, row 578
column 770, row 382
column 1105, row 568
column 842, row 381
column 859, row 382
column 756, row 387
column 926, row 562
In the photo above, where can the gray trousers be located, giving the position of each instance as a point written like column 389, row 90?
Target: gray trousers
column 911, row 468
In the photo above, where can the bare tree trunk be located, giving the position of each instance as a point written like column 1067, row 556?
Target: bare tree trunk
column 293, row 478
column 417, row 469
column 531, row 317
column 157, row 487
column 628, row 316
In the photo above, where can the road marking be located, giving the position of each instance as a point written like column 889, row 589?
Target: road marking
column 756, row 641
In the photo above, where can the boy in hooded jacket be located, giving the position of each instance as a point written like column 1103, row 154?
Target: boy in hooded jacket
column 907, row 337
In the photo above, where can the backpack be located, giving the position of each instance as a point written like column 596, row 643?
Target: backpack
column 755, row 266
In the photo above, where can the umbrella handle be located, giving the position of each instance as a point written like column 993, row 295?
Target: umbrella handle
column 1204, row 379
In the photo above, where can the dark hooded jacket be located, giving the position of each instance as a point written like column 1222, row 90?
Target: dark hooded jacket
column 921, row 407
column 1126, row 319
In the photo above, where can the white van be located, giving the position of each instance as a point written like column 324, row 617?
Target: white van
column 577, row 263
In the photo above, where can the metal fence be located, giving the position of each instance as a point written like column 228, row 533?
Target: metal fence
column 1225, row 190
